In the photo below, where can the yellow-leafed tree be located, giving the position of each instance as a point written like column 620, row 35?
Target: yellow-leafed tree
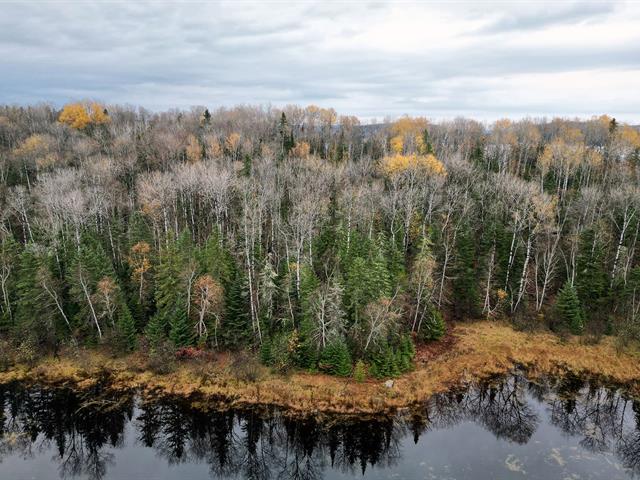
column 394, row 165
column 81, row 115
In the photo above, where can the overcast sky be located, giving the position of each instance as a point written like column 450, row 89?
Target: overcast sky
column 371, row 59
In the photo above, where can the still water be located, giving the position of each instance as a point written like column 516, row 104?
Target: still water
column 506, row 429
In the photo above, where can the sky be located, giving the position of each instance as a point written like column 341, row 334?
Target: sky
column 484, row 60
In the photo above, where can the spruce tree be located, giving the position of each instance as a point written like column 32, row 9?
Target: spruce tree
column 35, row 317
column 569, row 309
column 336, row 359
column 434, row 327
column 126, row 328
column 169, row 289
column 236, row 328
column 592, row 279
column 179, row 329
column 465, row 285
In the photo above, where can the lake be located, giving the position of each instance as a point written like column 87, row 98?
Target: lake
column 508, row 428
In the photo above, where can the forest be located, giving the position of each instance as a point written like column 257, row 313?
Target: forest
column 304, row 236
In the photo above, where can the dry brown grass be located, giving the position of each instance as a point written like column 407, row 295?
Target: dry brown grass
column 479, row 350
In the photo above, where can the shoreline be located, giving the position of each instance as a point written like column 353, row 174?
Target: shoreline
column 470, row 352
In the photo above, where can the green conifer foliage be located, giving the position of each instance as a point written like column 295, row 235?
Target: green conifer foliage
column 180, row 332
column 336, row 359
column 592, row 279
column 465, row 285
column 434, row 327
column 569, row 308
column 126, row 328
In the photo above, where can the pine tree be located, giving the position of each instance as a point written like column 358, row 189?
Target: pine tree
column 360, row 372
column 569, row 309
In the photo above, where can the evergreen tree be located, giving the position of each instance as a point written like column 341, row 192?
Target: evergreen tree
column 126, row 328
column 9, row 258
column 89, row 265
column 35, row 316
column 156, row 331
column 592, row 279
column 169, row 289
column 336, row 359
column 179, row 329
column 427, row 147
column 465, row 285
column 236, row 328
column 569, row 309
column 434, row 327
column 407, row 352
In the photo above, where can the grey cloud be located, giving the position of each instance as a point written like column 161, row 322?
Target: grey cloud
column 161, row 55
column 549, row 15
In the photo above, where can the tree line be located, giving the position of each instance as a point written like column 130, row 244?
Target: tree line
column 315, row 240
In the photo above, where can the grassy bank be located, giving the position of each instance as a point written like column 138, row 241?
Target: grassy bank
column 469, row 352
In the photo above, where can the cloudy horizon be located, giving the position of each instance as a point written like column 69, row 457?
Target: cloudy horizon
column 370, row 59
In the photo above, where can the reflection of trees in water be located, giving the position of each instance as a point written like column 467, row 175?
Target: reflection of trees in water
column 605, row 419
column 260, row 445
column 78, row 427
column 265, row 444
column 500, row 407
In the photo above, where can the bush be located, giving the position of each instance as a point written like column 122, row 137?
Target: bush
column 628, row 332
column 245, row 367
column 6, row 359
column 191, row 353
column 27, row 352
column 336, row 359
column 162, row 358
column 280, row 351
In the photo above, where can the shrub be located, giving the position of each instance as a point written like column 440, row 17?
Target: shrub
column 6, row 358
column 190, row 353
column 280, row 351
column 162, row 358
column 27, row 352
column 245, row 367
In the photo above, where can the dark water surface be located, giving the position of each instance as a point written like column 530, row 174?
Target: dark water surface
column 507, row 429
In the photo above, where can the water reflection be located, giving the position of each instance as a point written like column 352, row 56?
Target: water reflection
column 82, row 433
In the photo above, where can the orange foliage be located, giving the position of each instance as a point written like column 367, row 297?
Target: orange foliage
column 301, row 150
column 193, row 149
